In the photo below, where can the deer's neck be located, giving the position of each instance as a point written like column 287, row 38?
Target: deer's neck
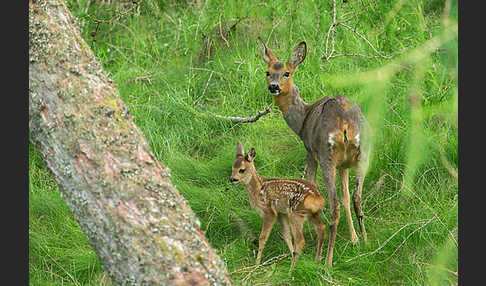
column 294, row 109
column 253, row 187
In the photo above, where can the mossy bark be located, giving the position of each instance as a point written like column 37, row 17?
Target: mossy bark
column 140, row 227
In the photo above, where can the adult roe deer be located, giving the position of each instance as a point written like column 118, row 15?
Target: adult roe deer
column 291, row 201
column 335, row 134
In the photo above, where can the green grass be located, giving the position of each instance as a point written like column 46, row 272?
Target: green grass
column 409, row 194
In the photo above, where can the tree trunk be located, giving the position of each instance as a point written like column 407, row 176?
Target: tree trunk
column 140, row 227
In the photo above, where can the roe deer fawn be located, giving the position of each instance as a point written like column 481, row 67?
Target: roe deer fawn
column 291, row 201
column 335, row 134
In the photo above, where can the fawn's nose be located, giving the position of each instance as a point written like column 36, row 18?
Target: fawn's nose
column 232, row 180
column 274, row 88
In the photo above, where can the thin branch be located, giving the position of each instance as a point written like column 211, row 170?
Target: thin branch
column 205, row 88
column 331, row 32
column 128, row 59
column 318, row 24
column 355, row 55
column 388, row 240
column 248, row 119
column 147, row 77
column 326, row 279
column 439, row 266
column 329, row 54
column 266, row 263
column 364, row 38
column 205, row 69
column 408, row 236
column 221, row 32
column 446, row 163
column 127, row 48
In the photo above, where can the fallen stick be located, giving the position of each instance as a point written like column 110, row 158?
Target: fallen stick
column 248, row 119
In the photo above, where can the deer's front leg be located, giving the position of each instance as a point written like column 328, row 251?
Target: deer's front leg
column 268, row 221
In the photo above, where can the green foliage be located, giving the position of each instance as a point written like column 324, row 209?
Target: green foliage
column 177, row 64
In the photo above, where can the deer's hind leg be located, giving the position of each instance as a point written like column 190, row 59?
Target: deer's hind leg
column 284, row 222
column 311, row 168
column 344, row 174
column 357, row 203
column 296, row 225
column 328, row 170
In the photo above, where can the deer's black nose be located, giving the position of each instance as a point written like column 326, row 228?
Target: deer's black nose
column 274, row 88
column 232, row 180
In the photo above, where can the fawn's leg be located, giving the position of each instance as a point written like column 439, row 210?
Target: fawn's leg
column 320, row 228
column 268, row 221
column 284, row 222
column 329, row 175
column 344, row 173
column 296, row 224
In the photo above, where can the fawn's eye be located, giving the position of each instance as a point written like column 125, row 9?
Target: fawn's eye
column 268, row 73
column 241, row 171
column 286, row 74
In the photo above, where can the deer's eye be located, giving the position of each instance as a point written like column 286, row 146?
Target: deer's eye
column 241, row 171
column 268, row 73
column 286, row 74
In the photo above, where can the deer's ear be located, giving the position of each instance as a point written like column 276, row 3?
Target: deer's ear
column 239, row 149
column 251, row 155
column 267, row 54
column 298, row 54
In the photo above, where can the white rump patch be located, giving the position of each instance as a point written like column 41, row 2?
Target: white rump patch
column 331, row 139
column 356, row 140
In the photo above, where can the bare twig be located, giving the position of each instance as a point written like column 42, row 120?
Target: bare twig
column 408, row 236
column 390, row 238
column 353, row 55
column 248, row 119
column 331, row 33
column 439, row 266
column 147, row 77
column 221, row 32
column 170, row 18
column 199, row 18
column 266, row 263
column 127, row 58
column 327, row 279
column 445, row 162
column 115, row 18
column 205, row 69
column 364, row 38
column 127, row 48
column 275, row 26
column 205, row 88
column 318, row 8
column 329, row 53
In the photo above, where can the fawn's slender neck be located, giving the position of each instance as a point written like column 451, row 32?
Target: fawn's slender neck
column 293, row 108
column 253, row 186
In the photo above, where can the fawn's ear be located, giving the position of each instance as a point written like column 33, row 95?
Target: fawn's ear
column 239, row 150
column 251, row 155
column 298, row 54
column 267, row 54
